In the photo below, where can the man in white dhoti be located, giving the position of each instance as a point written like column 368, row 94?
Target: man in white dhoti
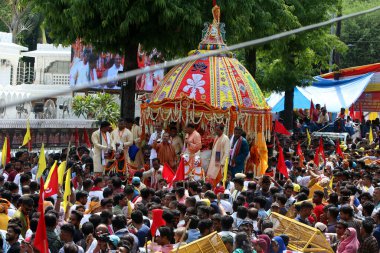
column 122, row 139
column 220, row 152
column 101, row 139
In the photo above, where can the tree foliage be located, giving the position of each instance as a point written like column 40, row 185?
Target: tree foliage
column 362, row 34
column 19, row 18
column 101, row 106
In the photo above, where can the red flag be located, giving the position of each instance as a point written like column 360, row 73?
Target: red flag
column 279, row 128
column 338, row 151
column 76, row 137
column 360, row 112
column 316, row 157
column 281, row 163
column 40, row 241
column 321, row 149
column 180, row 173
column 158, row 221
column 52, row 187
column 167, row 173
column 352, row 112
column 86, row 139
column 300, row 154
column 311, row 111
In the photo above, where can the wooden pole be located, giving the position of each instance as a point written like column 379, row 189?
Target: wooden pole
column 183, row 236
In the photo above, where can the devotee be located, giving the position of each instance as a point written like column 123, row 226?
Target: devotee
column 165, row 151
column 239, row 151
column 219, row 154
column 193, row 143
column 101, row 139
column 176, row 141
column 156, row 136
column 136, row 132
column 122, row 138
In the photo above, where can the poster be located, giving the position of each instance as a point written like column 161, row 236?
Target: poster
column 87, row 65
column 148, row 81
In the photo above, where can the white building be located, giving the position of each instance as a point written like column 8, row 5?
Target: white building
column 51, row 118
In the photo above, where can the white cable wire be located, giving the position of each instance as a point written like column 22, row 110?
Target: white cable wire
column 173, row 63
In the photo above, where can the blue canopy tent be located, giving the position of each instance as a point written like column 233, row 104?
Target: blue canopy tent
column 335, row 94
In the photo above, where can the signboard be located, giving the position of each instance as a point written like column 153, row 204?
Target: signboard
column 148, row 81
column 87, row 65
column 370, row 102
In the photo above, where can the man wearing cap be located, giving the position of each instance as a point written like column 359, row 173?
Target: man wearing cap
column 122, row 138
column 220, row 152
column 101, row 139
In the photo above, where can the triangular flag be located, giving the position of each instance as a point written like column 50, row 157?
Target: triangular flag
column 86, row 139
column 316, row 157
column 300, row 154
column 52, row 187
column 67, row 192
column 311, row 111
column 6, row 153
column 225, row 172
column 263, row 151
column 61, row 172
column 157, row 220
column 281, row 166
column 370, row 137
column 50, row 173
column 338, row 150
column 41, row 162
column 27, row 137
column 279, row 128
column 76, row 138
column 331, row 182
column 40, row 241
column 308, row 137
column 167, row 173
column 180, row 173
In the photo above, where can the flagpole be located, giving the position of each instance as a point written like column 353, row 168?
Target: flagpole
column 183, row 235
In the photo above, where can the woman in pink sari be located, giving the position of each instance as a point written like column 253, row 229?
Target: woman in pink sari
column 349, row 243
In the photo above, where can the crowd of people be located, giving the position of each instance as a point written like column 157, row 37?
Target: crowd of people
column 129, row 206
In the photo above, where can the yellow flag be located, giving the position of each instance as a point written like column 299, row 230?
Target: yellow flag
column 67, row 192
column 331, row 182
column 263, row 151
column 225, row 172
column 370, row 138
column 308, row 137
column 61, row 172
column 41, row 162
column 4, row 152
column 27, row 136
column 50, row 173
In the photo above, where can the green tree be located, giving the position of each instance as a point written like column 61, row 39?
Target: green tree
column 295, row 60
column 362, row 34
column 19, row 18
column 173, row 27
column 101, row 106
